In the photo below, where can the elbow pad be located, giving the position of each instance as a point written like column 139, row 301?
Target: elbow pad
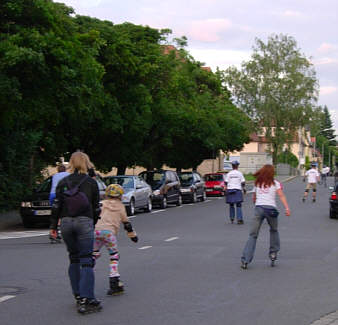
column 128, row 227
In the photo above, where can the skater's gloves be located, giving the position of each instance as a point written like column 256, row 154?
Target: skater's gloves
column 133, row 236
column 53, row 233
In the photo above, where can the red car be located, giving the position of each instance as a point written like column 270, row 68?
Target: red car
column 215, row 184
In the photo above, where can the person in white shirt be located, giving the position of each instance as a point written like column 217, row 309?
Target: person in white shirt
column 312, row 179
column 264, row 198
column 235, row 182
column 324, row 174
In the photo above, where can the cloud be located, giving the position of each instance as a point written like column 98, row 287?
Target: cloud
column 220, row 58
column 328, row 90
column 208, row 30
column 325, row 48
column 325, row 61
column 291, row 13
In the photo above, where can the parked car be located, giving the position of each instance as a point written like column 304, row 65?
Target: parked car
column 165, row 185
column 334, row 202
column 227, row 166
column 192, row 187
column 137, row 193
column 215, row 184
column 37, row 209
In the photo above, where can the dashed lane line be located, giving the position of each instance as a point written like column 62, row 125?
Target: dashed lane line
column 145, row 247
column 171, row 239
column 331, row 319
column 157, row 211
column 4, row 298
column 22, row 234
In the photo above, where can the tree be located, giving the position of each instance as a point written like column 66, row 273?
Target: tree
column 276, row 88
column 326, row 129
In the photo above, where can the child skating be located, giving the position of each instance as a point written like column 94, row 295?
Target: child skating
column 112, row 215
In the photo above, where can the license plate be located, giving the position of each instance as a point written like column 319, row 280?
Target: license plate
column 43, row 212
column 209, row 189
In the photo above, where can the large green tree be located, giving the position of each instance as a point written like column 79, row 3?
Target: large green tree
column 277, row 88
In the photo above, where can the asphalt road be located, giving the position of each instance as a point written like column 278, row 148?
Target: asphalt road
column 186, row 270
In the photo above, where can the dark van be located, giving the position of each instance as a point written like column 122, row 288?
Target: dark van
column 165, row 185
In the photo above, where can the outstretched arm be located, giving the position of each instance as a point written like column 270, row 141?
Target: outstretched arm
column 284, row 201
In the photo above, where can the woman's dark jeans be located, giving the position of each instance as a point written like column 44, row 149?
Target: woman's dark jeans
column 78, row 234
column 250, row 247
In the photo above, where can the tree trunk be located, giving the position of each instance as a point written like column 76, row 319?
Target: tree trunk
column 121, row 169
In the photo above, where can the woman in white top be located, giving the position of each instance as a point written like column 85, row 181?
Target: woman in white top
column 264, row 198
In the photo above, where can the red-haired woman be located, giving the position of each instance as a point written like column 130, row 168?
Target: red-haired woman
column 264, row 198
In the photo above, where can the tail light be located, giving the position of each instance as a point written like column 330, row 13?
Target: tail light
column 333, row 196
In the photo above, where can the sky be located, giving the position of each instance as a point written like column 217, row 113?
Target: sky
column 221, row 33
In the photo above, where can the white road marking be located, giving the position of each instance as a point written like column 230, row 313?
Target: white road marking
column 145, row 247
column 157, row 211
column 207, row 201
column 331, row 319
column 190, row 204
column 4, row 298
column 131, row 217
column 181, row 206
column 219, row 198
column 22, row 234
column 171, row 239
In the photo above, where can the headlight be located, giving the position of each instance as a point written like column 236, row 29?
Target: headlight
column 156, row 192
column 26, row 204
column 185, row 190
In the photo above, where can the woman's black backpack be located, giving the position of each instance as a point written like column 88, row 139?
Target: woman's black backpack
column 75, row 201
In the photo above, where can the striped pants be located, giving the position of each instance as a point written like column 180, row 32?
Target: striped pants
column 108, row 239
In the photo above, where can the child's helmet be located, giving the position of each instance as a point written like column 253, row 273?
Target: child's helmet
column 114, row 190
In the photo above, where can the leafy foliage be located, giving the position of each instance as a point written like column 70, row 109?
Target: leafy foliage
column 277, row 88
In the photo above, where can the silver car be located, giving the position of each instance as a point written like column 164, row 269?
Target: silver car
column 137, row 193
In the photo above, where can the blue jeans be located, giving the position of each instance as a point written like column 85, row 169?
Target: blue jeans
column 238, row 211
column 78, row 234
column 260, row 215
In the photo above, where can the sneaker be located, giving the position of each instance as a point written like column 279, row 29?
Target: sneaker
column 303, row 199
column 232, row 220
column 244, row 265
column 87, row 306
column 273, row 256
column 240, row 222
column 313, row 200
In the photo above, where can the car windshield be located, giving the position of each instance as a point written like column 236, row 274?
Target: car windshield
column 227, row 166
column 213, row 177
column 45, row 186
column 186, row 179
column 125, row 182
column 154, row 179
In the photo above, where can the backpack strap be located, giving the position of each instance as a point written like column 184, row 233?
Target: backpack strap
column 78, row 185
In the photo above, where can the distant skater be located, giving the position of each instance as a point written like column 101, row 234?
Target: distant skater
column 235, row 182
column 313, row 178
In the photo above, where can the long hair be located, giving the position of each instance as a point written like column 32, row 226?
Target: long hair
column 79, row 161
column 264, row 176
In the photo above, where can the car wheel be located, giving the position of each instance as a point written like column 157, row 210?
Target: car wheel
column 332, row 216
column 131, row 208
column 164, row 203
column 194, row 198
column 179, row 200
column 27, row 223
column 204, row 196
column 149, row 205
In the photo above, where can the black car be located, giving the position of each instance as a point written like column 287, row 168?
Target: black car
column 165, row 185
column 334, row 202
column 192, row 187
column 36, row 209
